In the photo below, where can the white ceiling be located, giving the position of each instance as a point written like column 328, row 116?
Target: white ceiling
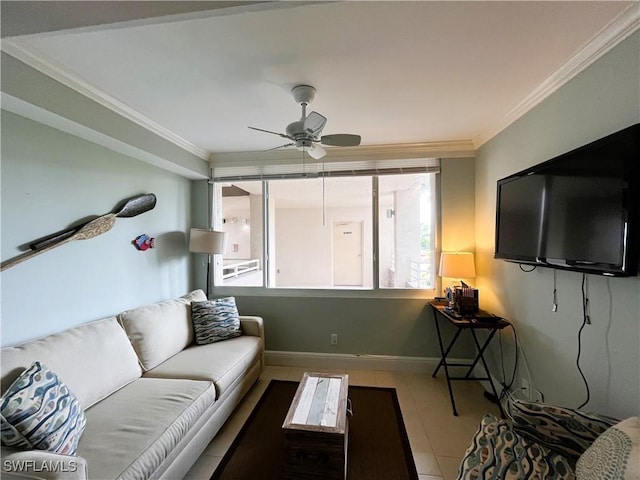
column 394, row 72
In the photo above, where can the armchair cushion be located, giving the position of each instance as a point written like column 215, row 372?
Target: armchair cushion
column 564, row 430
column 498, row 452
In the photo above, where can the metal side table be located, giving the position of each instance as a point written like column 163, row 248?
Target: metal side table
column 480, row 320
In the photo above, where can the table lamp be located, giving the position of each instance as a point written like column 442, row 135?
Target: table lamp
column 210, row 242
column 456, row 265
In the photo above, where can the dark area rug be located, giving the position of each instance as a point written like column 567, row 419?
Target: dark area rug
column 378, row 443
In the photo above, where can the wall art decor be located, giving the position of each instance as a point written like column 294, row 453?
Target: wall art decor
column 144, row 242
column 130, row 207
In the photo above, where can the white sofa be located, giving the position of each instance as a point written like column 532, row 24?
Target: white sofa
column 152, row 398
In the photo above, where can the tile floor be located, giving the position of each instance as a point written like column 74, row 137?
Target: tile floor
column 438, row 439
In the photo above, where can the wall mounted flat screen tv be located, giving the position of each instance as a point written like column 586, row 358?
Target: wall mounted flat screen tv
column 579, row 211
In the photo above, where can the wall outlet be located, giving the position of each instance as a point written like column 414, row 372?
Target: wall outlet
column 334, row 339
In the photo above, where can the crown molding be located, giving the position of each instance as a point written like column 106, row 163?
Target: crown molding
column 35, row 59
column 448, row 149
column 626, row 23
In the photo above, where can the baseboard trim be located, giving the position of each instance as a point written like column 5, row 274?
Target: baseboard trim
column 356, row 362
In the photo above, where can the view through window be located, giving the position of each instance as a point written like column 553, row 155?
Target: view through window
column 319, row 232
column 406, row 231
column 241, row 213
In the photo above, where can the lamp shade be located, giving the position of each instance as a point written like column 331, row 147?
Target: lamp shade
column 457, row 265
column 207, row 241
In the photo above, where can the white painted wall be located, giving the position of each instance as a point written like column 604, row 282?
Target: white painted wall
column 304, row 245
column 52, row 179
column 238, row 234
column 601, row 100
column 248, row 236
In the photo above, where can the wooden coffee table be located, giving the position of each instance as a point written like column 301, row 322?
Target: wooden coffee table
column 316, row 429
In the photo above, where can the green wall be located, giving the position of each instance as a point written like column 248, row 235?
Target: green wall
column 50, row 180
column 602, row 99
column 365, row 326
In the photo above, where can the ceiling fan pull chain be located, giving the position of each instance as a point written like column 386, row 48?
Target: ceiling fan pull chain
column 324, row 203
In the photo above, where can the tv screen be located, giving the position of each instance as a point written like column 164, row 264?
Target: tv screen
column 520, row 225
column 578, row 211
column 586, row 220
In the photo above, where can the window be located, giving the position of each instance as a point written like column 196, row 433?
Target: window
column 406, row 231
column 240, row 217
column 322, row 233
column 319, row 230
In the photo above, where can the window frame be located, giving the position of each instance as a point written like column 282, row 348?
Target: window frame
column 374, row 292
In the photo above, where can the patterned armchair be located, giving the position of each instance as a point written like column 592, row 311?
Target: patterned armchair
column 545, row 442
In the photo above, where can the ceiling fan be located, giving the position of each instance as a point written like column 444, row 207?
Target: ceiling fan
column 305, row 134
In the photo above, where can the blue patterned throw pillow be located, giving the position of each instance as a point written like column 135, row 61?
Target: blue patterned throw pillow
column 40, row 412
column 215, row 320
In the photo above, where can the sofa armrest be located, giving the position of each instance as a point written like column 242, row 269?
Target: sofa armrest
column 252, row 326
column 41, row 464
column 565, row 430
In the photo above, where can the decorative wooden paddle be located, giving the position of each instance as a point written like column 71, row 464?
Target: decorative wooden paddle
column 92, row 229
column 130, row 208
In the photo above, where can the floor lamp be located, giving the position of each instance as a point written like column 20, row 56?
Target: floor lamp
column 210, row 242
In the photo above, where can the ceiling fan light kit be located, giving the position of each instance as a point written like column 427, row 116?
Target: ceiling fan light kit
column 305, row 134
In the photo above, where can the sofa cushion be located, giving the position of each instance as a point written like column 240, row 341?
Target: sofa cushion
column 215, row 320
column 614, row 455
column 221, row 362
column 93, row 359
column 161, row 330
column 38, row 411
column 498, row 452
column 153, row 416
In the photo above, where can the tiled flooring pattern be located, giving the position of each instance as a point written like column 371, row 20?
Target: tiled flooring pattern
column 438, row 439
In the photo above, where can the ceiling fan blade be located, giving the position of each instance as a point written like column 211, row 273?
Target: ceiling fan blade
column 314, row 123
column 316, row 151
column 281, row 146
column 269, row 131
column 341, row 140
